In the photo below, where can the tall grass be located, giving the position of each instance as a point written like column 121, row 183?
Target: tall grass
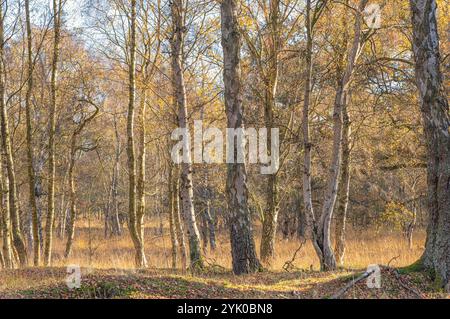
column 91, row 249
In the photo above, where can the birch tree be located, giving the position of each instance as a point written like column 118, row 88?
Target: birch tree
column 13, row 210
column 140, row 259
column 57, row 8
column 178, row 219
column 272, row 29
column 244, row 259
column 112, row 209
column 178, row 11
column 5, row 219
column 173, row 235
column 29, row 137
column 344, row 178
column 321, row 227
column 75, row 148
column 436, row 122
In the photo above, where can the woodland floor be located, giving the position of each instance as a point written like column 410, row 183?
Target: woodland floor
column 40, row 283
column 107, row 270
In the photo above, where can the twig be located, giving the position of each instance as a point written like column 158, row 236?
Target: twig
column 214, row 265
column 399, row 279
column 392, row 259
column 351, row 284
column 290, row 263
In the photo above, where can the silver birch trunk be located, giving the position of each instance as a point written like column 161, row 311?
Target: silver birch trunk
column 13, row 211
column 72, row 199
column 323, row 236
column 140, row 187
column 5, row 219
column 270, row 221
column 140, row 260
column 186, row 186
column 344, row 188
column 172, row 202
column 243, row 252
column 307, row 146
column 52, row 127
column 178, row 221
column 29, row 137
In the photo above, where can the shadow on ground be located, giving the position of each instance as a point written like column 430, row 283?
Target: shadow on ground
column 46, row 283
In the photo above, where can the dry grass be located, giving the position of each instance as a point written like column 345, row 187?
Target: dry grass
column 363, row 249
column 108, row 270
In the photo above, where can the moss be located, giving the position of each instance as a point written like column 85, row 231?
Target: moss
column 415, row 267
column 197, row 267
column 438, row 283
column 419, row 267
column 105, row 290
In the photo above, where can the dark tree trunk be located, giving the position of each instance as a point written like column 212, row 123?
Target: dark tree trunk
column 211, row 226
column 243, row 252
column 204, row 232
column 436, row 122
column 344, row 189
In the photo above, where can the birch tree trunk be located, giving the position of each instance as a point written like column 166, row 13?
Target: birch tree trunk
column 62, row 208
column 204, row 231
column 51, row 144
column 72, row 199
column 186, row 187
column 323, row 238
column 29, row 137
column 18, row 242
column 172, row 202
column 271, row 214
column 243, row 252
column 436, row 122
column 5, row 218
column 178, row 221
column 140, row 187
column 211, row 226
column 114, row 212
column 343, row 188
column 72, row 188
column 307, row 146
column 140, row 260
column 321, row 229
column 306, row 177
column 2, row 261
